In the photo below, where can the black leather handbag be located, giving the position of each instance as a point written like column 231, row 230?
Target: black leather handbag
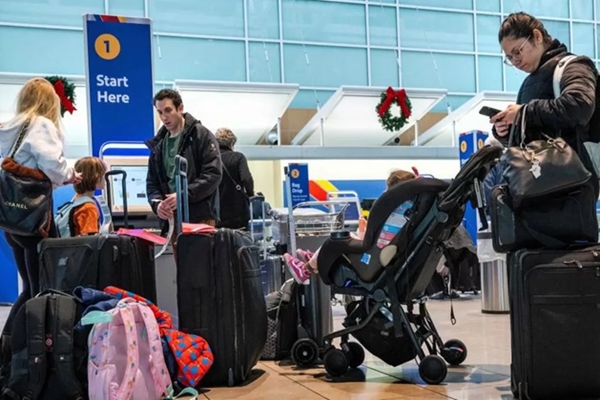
column 25, row 196
column 540, row 168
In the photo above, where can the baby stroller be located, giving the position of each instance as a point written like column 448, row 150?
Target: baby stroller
column 391, row 268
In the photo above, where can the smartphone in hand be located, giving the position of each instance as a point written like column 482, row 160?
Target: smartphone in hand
column 488, row 111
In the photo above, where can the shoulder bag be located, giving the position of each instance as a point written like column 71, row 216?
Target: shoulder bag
column 25, row 196
column 542, row 168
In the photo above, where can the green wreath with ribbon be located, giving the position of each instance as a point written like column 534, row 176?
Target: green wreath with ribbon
column 66, row 93
column 386, row 119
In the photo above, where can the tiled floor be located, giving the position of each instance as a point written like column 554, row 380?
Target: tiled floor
column 485, row 374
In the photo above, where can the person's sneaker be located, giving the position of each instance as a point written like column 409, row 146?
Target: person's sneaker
column 305, row 255
column 297, row 268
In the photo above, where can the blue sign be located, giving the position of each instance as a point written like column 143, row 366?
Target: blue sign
column 469, row 143
column 299, row 183
column 120, row 79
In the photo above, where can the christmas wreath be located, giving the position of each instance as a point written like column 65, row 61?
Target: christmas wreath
column 386, row 119
column 66, row 93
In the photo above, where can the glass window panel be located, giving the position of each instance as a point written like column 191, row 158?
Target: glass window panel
column 126, row 8
column 558, row 30
column 263, row 19
column 487, row 33
column 323, row 21
column 265, row 64
column 382, row 26
column 456, row 4
column 582, row 9
column 539, row 8
column 438, row 30
column 457, row 71
column 41, row 45
column 384, row 68
column 488, row 5
column 329, row 66
column 217, row 18
column 583, row 39
column 490, row 73
column 67, row 13
column 200, row 59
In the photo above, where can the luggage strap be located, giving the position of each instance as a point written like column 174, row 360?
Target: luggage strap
column 35, row 322
column 62, row 322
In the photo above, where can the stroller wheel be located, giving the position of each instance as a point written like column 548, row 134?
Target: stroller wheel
column 336, row 362
column 454, row 352
column 305, row 353
column 433, row 369
column 355, row 354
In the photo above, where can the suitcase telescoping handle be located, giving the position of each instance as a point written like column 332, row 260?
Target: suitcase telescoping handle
column 254, row 199
column 181, row 192
column 109, row 190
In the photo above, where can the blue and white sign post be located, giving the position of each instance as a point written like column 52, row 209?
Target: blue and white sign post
column 120, row 79
column 469, row 143
column 299, row 183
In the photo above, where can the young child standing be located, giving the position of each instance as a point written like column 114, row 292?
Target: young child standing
column 81, row 216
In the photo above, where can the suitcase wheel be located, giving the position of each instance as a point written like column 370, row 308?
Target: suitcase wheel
column 454, row 352
column 433, row 369
column 305, row 353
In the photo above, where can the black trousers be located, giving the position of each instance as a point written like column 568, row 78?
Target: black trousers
column 28, row 265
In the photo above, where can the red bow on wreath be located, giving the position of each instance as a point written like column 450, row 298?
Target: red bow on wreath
column 64, row 100
column 400, row 96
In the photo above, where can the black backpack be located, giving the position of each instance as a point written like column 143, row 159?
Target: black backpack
column 49, row 357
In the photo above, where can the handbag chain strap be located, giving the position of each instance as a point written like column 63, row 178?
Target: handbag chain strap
column 20, row 137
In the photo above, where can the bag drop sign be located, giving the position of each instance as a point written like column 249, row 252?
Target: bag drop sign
column 299, row 183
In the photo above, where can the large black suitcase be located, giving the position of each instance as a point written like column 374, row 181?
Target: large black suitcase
column 98, row 261
column 555, row 323
column 219, row 295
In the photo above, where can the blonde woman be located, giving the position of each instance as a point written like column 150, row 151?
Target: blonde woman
column 38, row 114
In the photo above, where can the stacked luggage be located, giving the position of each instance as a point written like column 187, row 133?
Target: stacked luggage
column 100, row 290
column 544, row 218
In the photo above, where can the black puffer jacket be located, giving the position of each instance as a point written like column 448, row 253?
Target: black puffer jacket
column 200, row 148
column 571, row 112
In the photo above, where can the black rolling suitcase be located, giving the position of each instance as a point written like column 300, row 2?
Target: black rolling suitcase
column 219, row 295
column 98, row 261
column 555, row 323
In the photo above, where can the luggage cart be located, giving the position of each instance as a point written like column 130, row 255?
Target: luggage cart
column 308, row 225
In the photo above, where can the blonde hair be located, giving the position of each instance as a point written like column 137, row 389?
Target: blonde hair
column 38, row 98
column 226, row 137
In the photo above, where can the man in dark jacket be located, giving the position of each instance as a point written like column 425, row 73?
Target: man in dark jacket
column 237, row 185
column 182, row 134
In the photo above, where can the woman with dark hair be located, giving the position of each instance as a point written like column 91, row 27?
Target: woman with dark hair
column 530, row 48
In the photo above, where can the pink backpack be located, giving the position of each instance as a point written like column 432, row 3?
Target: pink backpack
column 125, row 354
